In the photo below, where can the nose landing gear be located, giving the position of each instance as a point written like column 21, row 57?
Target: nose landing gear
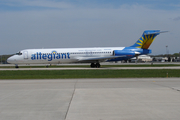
column 16, row 66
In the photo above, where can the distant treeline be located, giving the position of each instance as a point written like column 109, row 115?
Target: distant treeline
column 167, row 55
column 3, row 59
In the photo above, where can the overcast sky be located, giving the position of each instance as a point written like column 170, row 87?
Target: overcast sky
column 28, row 24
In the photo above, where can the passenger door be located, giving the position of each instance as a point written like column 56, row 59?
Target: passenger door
column 25, row 54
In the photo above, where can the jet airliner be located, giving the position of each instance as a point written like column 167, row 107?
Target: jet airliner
column 85, row 55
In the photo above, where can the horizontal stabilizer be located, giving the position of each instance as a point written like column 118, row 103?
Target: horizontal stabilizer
column 155, row 32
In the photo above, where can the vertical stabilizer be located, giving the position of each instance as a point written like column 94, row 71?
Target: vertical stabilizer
column 146, row 39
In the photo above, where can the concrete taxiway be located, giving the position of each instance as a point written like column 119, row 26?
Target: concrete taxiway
column 84, row 68
column 61, row 66
column 90, row 99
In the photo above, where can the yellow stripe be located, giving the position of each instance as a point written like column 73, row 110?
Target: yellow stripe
column 145, row 37
column 140, row 40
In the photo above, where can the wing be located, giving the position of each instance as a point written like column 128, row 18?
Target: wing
column 101, row 59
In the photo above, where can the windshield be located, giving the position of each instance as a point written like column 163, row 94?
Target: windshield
column 19, row 53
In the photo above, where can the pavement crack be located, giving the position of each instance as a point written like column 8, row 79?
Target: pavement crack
column 172, row 88
column 71, row 99
column 175, row 89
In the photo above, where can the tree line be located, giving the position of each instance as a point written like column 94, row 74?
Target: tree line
column 3, row 58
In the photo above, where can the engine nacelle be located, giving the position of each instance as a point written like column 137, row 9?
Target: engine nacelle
column 124, row 52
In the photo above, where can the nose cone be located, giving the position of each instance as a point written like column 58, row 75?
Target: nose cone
column 11, row 60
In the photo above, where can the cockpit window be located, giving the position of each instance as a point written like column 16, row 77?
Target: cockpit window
column 18, row 53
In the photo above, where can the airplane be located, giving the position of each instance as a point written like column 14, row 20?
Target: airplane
column 85, row 55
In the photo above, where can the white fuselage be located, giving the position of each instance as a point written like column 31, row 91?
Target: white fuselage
column 65, row 55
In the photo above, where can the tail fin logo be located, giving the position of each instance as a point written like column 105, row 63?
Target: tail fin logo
column 146, row 39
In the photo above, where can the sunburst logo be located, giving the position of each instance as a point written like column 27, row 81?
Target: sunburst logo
column 54, row 52
column 145, row 41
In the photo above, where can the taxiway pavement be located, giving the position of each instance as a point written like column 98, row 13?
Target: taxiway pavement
column 88, row 68
column 90, row 99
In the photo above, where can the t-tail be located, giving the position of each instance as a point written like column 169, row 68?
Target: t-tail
column 147, row 38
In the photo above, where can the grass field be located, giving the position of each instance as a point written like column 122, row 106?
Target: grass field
column 102, row 66
column 62, row 74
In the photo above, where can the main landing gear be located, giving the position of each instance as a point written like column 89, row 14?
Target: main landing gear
column 93, row 65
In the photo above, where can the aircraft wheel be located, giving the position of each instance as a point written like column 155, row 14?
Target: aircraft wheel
column 16, row 66
column 98, row 65
column 93, row 65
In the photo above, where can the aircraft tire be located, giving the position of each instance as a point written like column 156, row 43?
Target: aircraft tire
column 93, row 65
column 98, row 65
column 16, row 66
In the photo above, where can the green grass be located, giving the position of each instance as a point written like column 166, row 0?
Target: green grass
column 62, row 74
column 102, row 66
